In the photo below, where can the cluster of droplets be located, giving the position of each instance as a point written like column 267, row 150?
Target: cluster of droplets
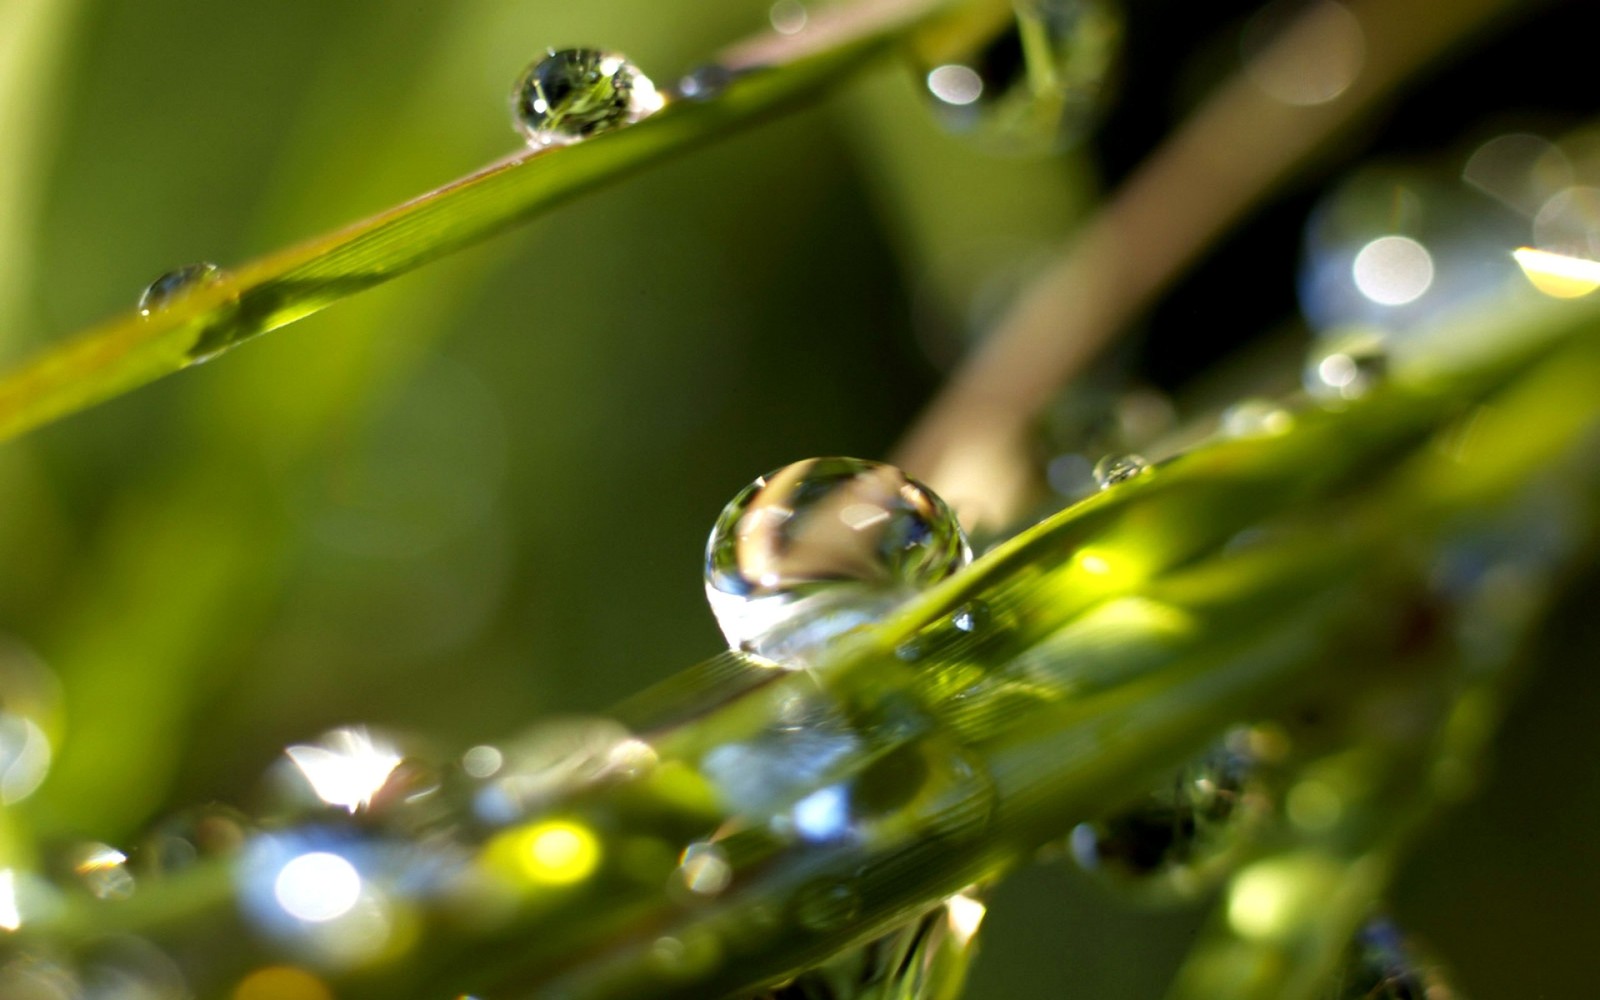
column 821, row 547
column 357, row 842
column 1032, row 86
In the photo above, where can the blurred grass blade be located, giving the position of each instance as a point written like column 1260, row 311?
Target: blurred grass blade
column 276, row 290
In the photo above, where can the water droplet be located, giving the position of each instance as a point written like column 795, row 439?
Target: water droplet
column 1114, row 469
column 1182, row 837
column 788, row 17
column 1346, row 367
column 1253, row 418
column 103, row 870
column 1382, row 965
column 1034, row 86
column 704, row 82
column 347, row 768
column 827, row 904
column 922, row 959
column 176, row 284
column 28, row 697
column 334, row 895
column 704, row 869
column 821, row 547
column 573, row 94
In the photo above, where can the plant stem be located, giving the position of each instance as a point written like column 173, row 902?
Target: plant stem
column 773, row 76
column 972, row 444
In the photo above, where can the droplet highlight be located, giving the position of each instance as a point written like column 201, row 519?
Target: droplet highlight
column 176, row 284
column 821, row 547
column 573, row 94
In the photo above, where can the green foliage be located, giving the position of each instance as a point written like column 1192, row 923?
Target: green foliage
column 346, row 522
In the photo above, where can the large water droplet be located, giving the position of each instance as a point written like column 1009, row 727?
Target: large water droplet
column 1032, row 87
column 1114, row 469
column 176, row 284
column 821, row 547
column 573, row 94
column 1180, row 838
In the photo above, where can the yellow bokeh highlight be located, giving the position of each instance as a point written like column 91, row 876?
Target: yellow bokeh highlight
column 281, row 982
column 1558, row 275
column 552, row 852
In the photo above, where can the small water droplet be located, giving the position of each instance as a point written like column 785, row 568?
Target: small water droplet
column 176, row 284
column 704, row 82
column 1114, row 469
column 1182, row 837
column 821, row 547
column 1253, row 418
column 827, row 904
column 1346, row 367
column 1035, row 85
column 572, row 94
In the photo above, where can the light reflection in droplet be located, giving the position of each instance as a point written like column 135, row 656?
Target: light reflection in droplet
column 965, row 914
column 955, row 84
column 1557, row 275
column 103, row 871
column 704, row 869
column 24, row 757
column 1303, row 55
column 788, row 17
column 552, row 852
column 348, row 769
column 317, row 887
column 10, row 914
column 824, row 814
column 482, row 761
column 1393, row 270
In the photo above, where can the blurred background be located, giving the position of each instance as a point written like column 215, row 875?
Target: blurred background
column 480, row 494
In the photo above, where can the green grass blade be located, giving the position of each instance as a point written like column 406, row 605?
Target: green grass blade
column 276, row 290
